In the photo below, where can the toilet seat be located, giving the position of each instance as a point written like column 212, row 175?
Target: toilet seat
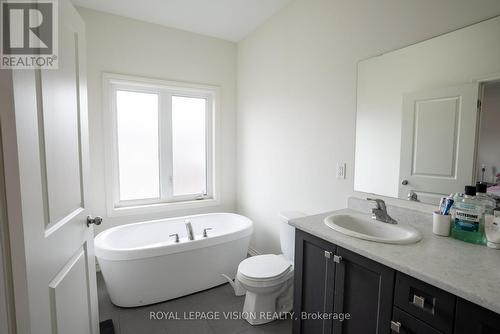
column 267, row 280
column 265, row 270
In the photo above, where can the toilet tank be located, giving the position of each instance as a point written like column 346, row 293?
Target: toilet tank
column 287, row 233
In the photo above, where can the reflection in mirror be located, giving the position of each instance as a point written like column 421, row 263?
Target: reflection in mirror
column 421, row 132
column 488, row 155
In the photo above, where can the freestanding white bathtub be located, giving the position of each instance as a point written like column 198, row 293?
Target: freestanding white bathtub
column 141, row 264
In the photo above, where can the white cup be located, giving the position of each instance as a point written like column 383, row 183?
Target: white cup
column 441, row 224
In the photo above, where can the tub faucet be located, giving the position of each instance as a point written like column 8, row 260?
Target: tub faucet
column 189, row 229
column 205, row 234
column 176, row 235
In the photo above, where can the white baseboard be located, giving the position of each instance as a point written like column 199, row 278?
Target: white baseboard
column 253, row 252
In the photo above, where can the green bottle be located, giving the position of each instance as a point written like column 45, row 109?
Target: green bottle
column 468, row 224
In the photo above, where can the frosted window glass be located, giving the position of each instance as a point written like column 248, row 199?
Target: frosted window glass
column 188, row 145
column 137, row 125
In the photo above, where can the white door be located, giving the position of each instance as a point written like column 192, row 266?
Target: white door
column 438, row 141
column 50, row 108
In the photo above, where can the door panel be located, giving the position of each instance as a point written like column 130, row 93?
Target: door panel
column 67, row 293
column 410, row 324
column 473, row 319
column 364, row 289
column 52, row 151
column 59, row 95
column 314, row 283
column 436, row 121
column 438, row 140
column 438, row 305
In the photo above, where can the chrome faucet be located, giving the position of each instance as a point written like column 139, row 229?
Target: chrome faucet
column 189, row 229
column 380, row 212
column 412, row 196
column 176, row 235
column 205, row 234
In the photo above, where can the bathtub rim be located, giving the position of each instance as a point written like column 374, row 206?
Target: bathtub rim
column 107, row 253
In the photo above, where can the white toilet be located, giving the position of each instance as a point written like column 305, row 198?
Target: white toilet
column 268, row 279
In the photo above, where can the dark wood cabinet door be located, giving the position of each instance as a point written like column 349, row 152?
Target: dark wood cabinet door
column 408, row 324
column 364, row 289
column 425, row 302
column 473, row 319
column 314, row 284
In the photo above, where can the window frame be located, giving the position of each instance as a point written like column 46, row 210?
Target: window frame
column 165, row 90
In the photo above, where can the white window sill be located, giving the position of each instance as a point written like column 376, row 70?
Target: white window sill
column 161, row 207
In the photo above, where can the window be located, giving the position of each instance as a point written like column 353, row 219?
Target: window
column 188, row 145
column 160, row 143
column 137, row 139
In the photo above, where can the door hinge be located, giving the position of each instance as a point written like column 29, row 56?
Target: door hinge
column 479, row 104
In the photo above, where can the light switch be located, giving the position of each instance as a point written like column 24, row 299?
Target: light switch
column 341, row 170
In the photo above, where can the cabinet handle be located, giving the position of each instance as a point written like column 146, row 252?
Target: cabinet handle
column 337, row 258
column 328, row 254
column 395, row 326
column 418, row 301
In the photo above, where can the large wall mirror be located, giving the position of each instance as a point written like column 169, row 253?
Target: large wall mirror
column 428, row 116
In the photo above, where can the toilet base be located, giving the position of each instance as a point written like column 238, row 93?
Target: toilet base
column 262, row 308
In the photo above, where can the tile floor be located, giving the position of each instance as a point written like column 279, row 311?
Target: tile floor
column 219, row 299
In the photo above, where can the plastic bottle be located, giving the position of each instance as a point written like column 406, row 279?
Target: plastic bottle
column 468, row 224
column 456, row 198
column 492, row 231
column 488, row 202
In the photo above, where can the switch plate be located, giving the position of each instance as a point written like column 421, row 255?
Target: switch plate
column 341, row 170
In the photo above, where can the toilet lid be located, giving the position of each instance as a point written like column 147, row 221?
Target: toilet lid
column 264, row 267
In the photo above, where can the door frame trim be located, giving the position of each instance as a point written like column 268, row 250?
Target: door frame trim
column 12, row 222
column 7, row 309
column 482, row 82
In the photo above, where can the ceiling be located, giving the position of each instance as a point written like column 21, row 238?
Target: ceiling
column 227, row 19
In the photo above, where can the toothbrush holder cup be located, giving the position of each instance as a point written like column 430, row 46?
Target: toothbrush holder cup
column 441, row 224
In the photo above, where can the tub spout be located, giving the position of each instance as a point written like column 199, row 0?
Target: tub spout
column 189, row 229
column 239, row 290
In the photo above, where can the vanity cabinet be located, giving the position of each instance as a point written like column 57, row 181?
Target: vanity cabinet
column 314, row 283
column 424, row 302
column 405, row 323
column 473, row 319
column 363, row 288
column 330, row 280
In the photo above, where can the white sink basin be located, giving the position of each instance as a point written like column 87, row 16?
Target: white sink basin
column 363, row 227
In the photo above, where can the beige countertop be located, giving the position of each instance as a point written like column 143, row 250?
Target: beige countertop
column 469, row 271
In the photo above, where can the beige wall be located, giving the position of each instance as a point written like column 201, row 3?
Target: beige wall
column 297, row 97
column 296, row 94
column 125, row 46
